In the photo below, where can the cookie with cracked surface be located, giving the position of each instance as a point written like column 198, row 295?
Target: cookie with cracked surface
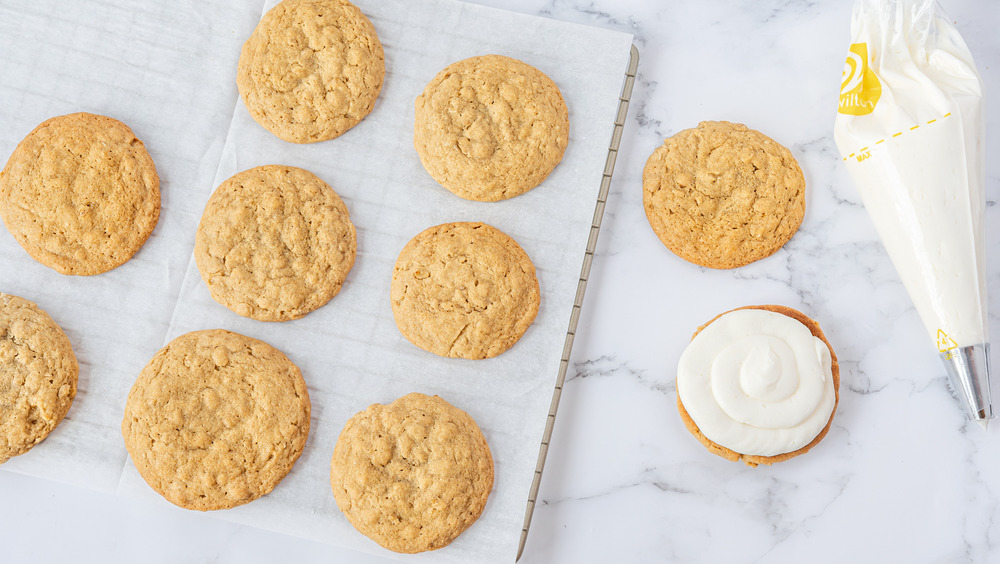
column 274, row 243
column 490, row 128
column 38, row 375
column 464, row 290
column 311, row 70
column 412, row 475
column 80, row 194
column 216, row 419
column 722, row 195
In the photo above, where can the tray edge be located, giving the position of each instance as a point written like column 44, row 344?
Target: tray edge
column 588, row 259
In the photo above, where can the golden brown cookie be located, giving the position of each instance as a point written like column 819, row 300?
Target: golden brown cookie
column 722, row 195
column 754, row 460
column 275, row 242
column 38, row 375
column 311, row 69
column 464, row 290
column 216, row 419
column 490, row 128
column 412, row 475
column 80, row 194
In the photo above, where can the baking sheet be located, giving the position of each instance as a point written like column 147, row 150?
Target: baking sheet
column 581, row 288
column 350, row 352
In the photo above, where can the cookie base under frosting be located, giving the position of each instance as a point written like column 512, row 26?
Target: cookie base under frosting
column 752, row 459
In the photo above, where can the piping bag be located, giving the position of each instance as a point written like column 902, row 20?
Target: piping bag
column 911, row 130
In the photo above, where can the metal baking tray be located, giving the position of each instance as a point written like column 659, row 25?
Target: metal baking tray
column 581, row 288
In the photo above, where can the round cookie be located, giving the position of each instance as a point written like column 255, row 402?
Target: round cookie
column 412, row 475
column 216, row 419
column 80, row 194
column 311, row 69
column 491, row 127
column 464, row 290
column 274, row 243
column 722, row 195
column 38, row 375
column 756, row 459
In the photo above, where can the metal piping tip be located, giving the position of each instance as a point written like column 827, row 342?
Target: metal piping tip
column 969, row 370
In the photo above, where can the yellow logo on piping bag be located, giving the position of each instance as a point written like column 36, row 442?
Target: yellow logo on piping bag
column 944, row 342
column 859, row 87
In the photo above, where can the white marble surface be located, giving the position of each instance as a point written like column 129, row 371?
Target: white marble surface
column 902, row 476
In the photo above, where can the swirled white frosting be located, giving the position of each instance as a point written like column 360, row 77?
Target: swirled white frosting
column 757, row 382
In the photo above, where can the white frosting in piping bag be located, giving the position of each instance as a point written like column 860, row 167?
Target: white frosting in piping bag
column 757, row 382
column 910, row 128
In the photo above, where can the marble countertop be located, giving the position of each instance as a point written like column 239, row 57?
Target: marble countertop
column 901, row 476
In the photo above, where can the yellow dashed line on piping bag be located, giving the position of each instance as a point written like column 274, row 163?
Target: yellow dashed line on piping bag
column 897, row 134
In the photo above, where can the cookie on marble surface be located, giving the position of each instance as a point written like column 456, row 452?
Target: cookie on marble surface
column 491, row 127
column 38, row 375
column 311, row 69
column 766, row 393
column 216, row 419
column 722, row 195
column 464, row 290
column 274, row 243
column 80, row 194
column 412, row 475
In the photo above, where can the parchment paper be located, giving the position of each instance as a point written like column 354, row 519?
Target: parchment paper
column 350, row 352
column 168, row 71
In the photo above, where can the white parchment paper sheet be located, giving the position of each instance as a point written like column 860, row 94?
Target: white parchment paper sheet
column 350, row 352
column 166, row 69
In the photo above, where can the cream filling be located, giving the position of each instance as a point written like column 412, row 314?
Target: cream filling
column 757, row 382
